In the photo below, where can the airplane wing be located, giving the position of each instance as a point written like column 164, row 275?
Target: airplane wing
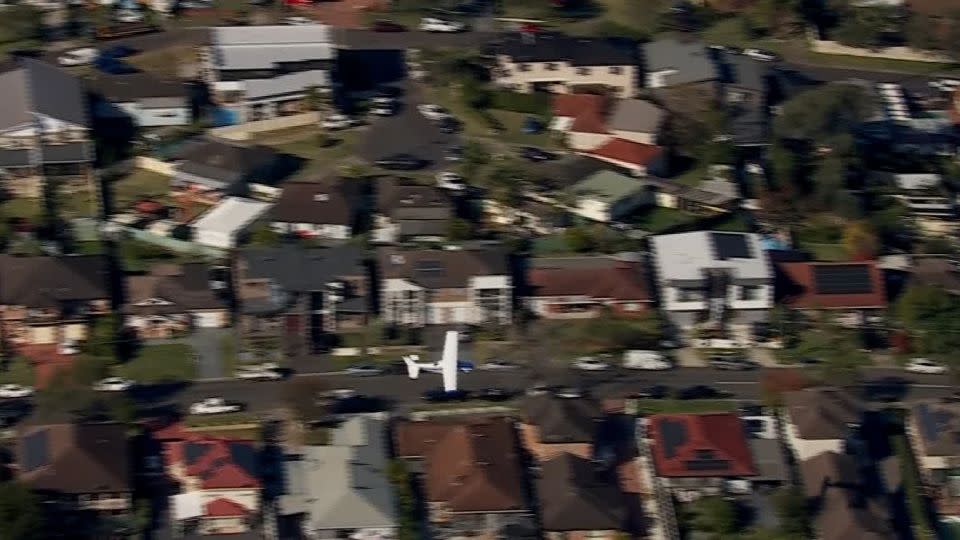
column 448, row 364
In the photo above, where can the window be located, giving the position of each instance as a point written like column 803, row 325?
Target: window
column 689, row 295
column 750, row 292
column 583, row 71
column 616, row 70
column 523, row 67
column 550, row 66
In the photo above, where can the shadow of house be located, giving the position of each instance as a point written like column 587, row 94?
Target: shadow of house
column 365, row 70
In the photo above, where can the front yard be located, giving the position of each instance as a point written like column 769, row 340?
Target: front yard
column 17, row 370
column 160, row 363
column 139, row 184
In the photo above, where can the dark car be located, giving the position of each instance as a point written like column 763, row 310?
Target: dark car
column 700, row 391
column 400, row 162
column 532, row 153
column 449, row 125
column 387, row 26
column 493, row 394
column 657, row 391
column 117, row 51
column 439, row 395
column 731, row 363
column 885, row 389
column 13, row 411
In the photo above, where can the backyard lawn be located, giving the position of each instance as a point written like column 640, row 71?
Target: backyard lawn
column 164, row 62
column 139, row 184
column 513, row 129
column 158, row 363
column 660, row 219
column 21, row 208
column 17, row 371
column 303, row 142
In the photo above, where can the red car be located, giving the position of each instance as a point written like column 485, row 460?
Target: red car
column 387, row 26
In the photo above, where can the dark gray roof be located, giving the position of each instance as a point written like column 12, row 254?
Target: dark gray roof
column 691, row 61
column 14, row 158
column 328, row 203
column 579, row 51
column 226, row 161
column 34, row 86
column 770, row 460
column 938, row 427
column 65, row 153
column 577, row 496
column 298, row 269
column 441, row 268
column 562, row 420
column 423, row 227
column 136, row 86
column 76, row 458
column 745, row 72
column 47, row 281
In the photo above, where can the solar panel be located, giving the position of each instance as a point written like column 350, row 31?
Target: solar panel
column 245, row 456
column 730, row 246
column 36, row 450
column 430, row 267
column 707, row 464
column 193, row 451
column 673, row 435
column 842, row 279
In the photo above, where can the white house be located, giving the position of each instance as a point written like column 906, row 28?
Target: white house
column 142, row 97
column 818, row 420
column 224, row 224
column 607, row 196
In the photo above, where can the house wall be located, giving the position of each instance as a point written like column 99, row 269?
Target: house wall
column 635, row 136
column 384, row 231
column 105, row 502
column 223, row 525
column 566, row 78
column 149, row 117
column 670, row 298
column 804, row 449
column 578, row 140
column 159, row 326
column 216, row 318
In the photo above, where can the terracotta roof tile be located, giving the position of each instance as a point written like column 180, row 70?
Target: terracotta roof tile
column 621, row 281
column 222, row 507
column 219, row 463
column 700, row 445
column 625, row 151
column 587, row 110
column 798, row 286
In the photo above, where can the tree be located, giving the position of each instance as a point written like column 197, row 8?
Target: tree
column 869, row 26
column 21, row 22
column 103, row 337
column 951, row 43
column 578, row 239
column 919, row 32
column 21, row 513
column 264, row 235
column 715, row 515
column 460, row 229
column 793, row 512
column 860, row 240
column 932, row 316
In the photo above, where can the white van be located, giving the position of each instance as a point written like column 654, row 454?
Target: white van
column 648, row 360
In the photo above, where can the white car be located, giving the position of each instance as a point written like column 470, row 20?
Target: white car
column 433, row 112
column 432, row 24
column 214, row 405
column 647, row 360
column 257, row 373
column 128, row 16
column 922, row 365
column 68, row 347
column 589, row 363
column 15, row 391
column 382, row 101
column 113, row 384
column 78, row 57
column 496, row 365
column 337, row 121
column 297, row 21
column 381, row 110
column 451, row 181
column 763, row 56
column 339, row 393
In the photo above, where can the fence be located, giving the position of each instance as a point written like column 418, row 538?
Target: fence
column 243, row 132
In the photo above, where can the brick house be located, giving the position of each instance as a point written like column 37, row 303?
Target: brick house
column 172, row 299
column 583, row 287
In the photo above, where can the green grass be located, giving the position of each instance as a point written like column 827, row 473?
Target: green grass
column 17, row 371
column 548, row 245
column 229, row 358
column 139, row 184
column 659, row 219
column 513, row 124
column 655, row 406
column 825, row 252
column 920, row 523
column 81, row 203
column 22, row 208
column 157, row 363
column 229, row 419
column 692, row 177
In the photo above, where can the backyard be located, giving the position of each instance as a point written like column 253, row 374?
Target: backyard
column 321, row 149
column 139, row 184
column 160, row 363
column 17, row 370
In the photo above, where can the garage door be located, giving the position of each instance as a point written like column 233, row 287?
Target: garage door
column 207, row 320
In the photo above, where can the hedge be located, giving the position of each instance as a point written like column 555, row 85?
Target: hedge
column 535, row 103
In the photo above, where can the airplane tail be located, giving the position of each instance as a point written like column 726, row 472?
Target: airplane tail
column 413, row 369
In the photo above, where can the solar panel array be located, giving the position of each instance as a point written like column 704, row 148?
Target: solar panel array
column 36, row 450
column 730, row 246
column 842, row 279
column 933, row 422
column 673, row 435
column 707, row 464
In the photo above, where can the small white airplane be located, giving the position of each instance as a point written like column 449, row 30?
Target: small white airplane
column 446, row 366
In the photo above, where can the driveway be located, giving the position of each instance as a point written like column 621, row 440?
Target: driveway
column 206, row 343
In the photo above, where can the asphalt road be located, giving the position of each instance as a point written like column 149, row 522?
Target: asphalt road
column 368, row 40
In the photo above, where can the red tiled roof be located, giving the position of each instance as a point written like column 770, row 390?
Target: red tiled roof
column 222, row 507
column 798, row 289
column 623, row 282
column 700, row 445
column 587, row 110
column 214, row 462
column 627, row 151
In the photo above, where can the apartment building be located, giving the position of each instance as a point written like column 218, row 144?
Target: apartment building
column 468, row 285
column 260, row 72
column 565, row 64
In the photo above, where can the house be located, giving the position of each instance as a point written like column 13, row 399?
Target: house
column 608, row 196
column 818, row 420
column 639, row 158
column 324, row 210
column 671, row 63
column 933, row 429
column 225, row 225
column 209, row 169
column 721, row 280
column 551, row 426
column 936, row 272
column 217, row 482
column 636, row 120
column 579, row 500
column 172, row 299
column 342, row 489
column 701, row 454
column 581, row 118
column 466, row 285
column 263, row 72
column 747, row 92
column 49, row 300
column 473, row 477
column 142, row 98
column 296, row 295
column 695, row 200
column 564, row 64
column 855, row 289
column 44, row 130
column 410, row 212
column 77, row 467
column 586, row 287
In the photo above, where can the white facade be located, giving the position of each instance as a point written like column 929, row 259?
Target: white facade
column 174, row 115
column 222, row 226
column 804, row 449
column 485, row 298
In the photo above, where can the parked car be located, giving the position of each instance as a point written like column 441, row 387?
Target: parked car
column 337, row 121
column 339, row 393
column 454, row 153
column 381, row 110
column 12, row 412
column 433, row 24
column 78, row 57
column 387, row 26
column 114, row 384
column 497, row 365
column 297, row 21
column 214, row 405
column 451, row 180
column 648, row 360
column 112, row 66
column 699, row 391
column 117, row 51
column 400, row 162
column 68, row 347
column 657, row 391
column 531, row 125
column 432, row 112
column 449, row 125
column 568, row 392
column 128, row 16
column 493, row 394
column 923, row 365
column 532, row 153
column 464, row 366
column 589, row 363
column 363, row 370
column 257, row 373
column 731, row 363
column 15, row 391
column 439, row 395
column 760, row 54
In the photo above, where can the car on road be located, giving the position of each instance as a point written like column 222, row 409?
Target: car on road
column 381, row 110
column 494, row 394
column 439, row 395
column 12, row 412
column 114, row 384
column 569, row 392
column 257, row 373
column 589, row 363
column 731, row 363
column 760, row 54
column 400, row 162
column 112, row 66
column 449, row 125
column 497, row 365
column 78, row 57
column 465, row 366
column 434, row 24
column 432, row 112
column 699, row 391
column 339, row 393
column 657, row 391
column 923, row 365
column 532, row 153
column 214, row 405
column 454, row 153
column 9, row 391
column 297, row 21
column 363, row 370
column 387, row 26
column 646, row 360
column 451, row 180
column 338, row 121
column 128, row 16
column 117, row 51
